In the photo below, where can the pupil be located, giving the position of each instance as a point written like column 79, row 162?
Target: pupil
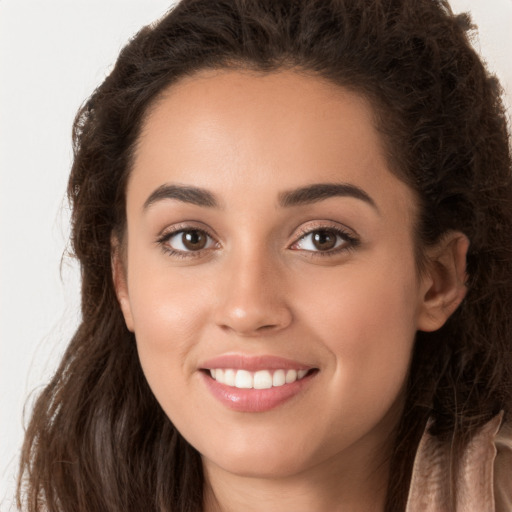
column 194, row 240
column 324, row 240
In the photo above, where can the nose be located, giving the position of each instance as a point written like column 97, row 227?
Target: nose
column 252, row 299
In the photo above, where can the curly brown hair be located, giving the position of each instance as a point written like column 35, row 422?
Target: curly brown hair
column 98, row 440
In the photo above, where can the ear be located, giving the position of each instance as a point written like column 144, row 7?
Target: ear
column 120, row 281
column 444, row 281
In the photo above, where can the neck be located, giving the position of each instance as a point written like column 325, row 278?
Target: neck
column 332, row 486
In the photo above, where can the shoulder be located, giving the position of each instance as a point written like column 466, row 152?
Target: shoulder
column 484, row 479
column 503, row 469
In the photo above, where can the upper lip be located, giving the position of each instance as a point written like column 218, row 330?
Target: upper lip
column 253, row 363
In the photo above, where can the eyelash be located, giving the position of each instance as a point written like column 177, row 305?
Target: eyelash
column 176, row 253
column 349, row 241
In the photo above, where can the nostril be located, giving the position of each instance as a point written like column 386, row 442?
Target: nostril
column 266, row 327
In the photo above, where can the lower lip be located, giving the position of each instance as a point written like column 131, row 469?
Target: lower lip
column 255, row 400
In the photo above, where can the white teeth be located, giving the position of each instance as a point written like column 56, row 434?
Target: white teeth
column 262, row 379
column 229, row 377
column 301, row 373
column 279, row 378
column 243, row 379
column 291, row 376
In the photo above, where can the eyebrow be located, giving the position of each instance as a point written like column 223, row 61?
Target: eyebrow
column 183, row 193
column 296, row 197
column 321, row 191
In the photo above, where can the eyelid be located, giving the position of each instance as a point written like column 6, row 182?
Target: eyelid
column 168, row 232
column 185, row 226
column 349, row 235
column 316, row 225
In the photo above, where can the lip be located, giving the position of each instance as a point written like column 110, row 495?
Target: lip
column 253, row 363
column 254, row 400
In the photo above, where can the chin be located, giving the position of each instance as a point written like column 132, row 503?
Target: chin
column 265, row 458
column 261, row 466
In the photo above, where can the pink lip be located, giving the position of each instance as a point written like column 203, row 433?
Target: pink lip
column 253, row 363
column 254, row 400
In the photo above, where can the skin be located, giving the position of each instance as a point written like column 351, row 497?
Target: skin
column 261, row 287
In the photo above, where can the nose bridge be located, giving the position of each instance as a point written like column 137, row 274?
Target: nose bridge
column 253, row 297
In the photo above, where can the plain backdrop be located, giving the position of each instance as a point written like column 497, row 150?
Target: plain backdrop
column 52, row 55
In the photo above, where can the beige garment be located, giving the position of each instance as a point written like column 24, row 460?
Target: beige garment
column 485, row 480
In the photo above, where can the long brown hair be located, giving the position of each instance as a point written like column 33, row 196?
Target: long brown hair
column 98, row 440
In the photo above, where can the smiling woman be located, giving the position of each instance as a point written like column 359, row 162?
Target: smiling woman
column 270, row 271
column 293, row 222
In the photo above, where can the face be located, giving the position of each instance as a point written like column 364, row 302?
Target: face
column 269, row 272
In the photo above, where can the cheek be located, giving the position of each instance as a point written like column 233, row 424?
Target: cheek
column 368, row 324
column 168, row 310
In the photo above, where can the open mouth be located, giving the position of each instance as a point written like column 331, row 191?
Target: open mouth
column 261, row 379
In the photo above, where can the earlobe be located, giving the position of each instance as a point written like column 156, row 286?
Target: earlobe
column 120, row 283
column 445, row 281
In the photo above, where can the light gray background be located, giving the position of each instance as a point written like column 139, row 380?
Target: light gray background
column 52, row 55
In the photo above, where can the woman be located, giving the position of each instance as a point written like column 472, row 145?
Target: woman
column 293, row 223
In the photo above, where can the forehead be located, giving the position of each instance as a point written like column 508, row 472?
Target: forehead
column 245, row 109
column 262, row 133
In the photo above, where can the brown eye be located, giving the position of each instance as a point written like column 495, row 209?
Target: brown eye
column 188, row 240
column 324, row 239
column 194, row 240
